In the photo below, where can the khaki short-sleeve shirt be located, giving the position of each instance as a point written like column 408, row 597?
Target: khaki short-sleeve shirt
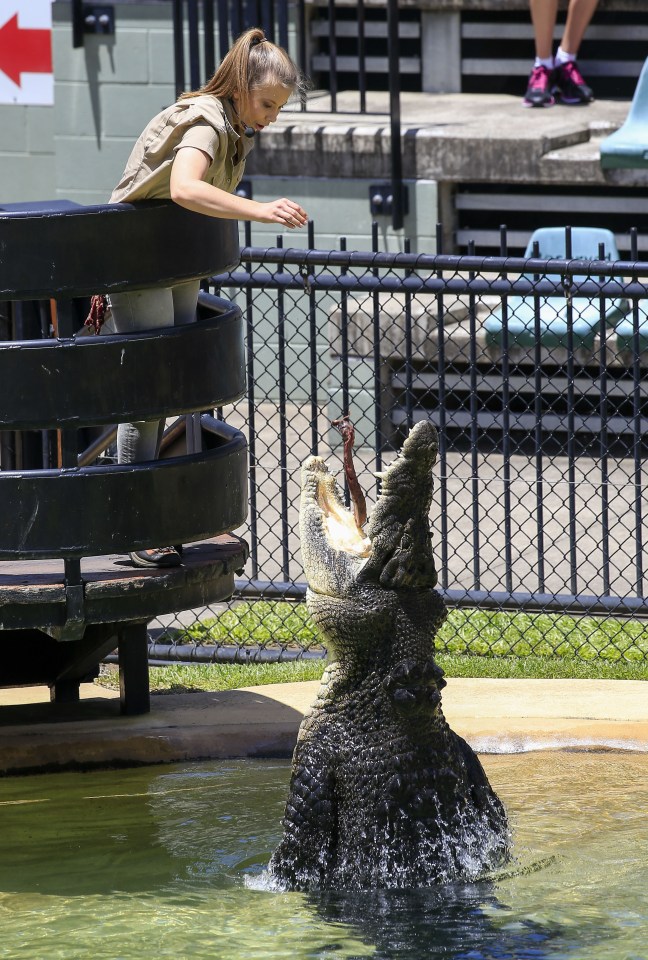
column 204, row 122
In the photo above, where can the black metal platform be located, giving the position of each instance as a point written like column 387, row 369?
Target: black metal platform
column 119, row 600
column 68, row 593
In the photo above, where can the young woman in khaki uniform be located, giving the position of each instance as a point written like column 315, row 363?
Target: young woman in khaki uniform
column 194, row 154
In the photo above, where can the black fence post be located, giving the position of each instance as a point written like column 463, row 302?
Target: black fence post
column 178, row 47
column 394, row 115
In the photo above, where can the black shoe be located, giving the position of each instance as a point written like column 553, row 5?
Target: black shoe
column 156, row 557
column 568, row 85
column 539, row 89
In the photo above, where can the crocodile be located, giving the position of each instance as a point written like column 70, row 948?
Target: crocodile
column 383, row 794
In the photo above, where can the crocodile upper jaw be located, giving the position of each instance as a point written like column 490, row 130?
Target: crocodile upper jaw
column 395, row 549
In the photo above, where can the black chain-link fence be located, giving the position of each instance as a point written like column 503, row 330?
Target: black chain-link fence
column 533, row 370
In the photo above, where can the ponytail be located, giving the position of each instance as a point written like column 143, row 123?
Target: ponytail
column 252, row 62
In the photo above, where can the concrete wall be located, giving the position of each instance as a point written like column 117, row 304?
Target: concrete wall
column 106, row 91
column 27, row 153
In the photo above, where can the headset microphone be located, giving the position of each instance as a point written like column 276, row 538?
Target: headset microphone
column 249, row 132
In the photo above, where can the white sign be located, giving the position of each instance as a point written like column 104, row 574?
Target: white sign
column 26, row 73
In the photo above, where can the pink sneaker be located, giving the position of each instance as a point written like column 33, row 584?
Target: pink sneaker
column 569, row 86
column 539, row 89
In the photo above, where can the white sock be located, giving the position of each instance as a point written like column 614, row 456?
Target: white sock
column 562, row 57
column 547, row 62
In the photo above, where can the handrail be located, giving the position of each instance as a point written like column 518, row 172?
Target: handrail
column 443, row 262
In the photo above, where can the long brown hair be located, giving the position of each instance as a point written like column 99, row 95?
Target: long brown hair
column 252, row 62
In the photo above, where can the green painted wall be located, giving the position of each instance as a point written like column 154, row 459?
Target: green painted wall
column 340, row 207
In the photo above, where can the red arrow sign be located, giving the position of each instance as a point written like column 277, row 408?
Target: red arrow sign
column 24, row 51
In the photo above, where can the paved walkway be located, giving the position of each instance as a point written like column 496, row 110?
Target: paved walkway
column 493, row 715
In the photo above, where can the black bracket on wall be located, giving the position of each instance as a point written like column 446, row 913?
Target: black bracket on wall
column 381, row 199
column 91, row 18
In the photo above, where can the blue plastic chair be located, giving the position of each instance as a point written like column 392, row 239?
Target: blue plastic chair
column 627, row 147
column 625, row 342
column 521, row 324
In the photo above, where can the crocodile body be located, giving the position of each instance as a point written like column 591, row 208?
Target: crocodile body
column 382, row 793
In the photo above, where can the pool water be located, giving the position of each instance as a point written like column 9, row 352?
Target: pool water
column 170, row 861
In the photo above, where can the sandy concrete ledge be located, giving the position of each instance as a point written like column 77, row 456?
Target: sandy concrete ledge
column 495, row 716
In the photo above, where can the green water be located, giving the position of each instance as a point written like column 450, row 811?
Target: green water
column 169, row 862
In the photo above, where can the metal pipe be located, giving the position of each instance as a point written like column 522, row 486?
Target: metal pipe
column 603, row 439
column 161, row 654
column 571, row 421
column 409, row 355
column 101, row 444
column 379, row 439
column 474, row 439
column 449, row 262
column 282, row 23
column 251, row 417
column 223, row 32
column 194, row 48
column 362, row 58
column 344, row 336
column 395, row 116
column 635, row 607
column 313, row 352
column 522, row 286
column 506, row 430
column 283, row 431
column 442, row 408
column 97, row 447
column 539, row 469
column 178, row 47
column 332, row 55
column 637, row 439
column 209, row 41
column 270, row 589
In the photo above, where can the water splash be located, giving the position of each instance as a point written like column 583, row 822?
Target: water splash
column 408, row 853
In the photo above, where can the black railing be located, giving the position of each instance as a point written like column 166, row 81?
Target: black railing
column 543, row 423
column 287, row 22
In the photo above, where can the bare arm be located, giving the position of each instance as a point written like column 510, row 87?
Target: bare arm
column 189, row 190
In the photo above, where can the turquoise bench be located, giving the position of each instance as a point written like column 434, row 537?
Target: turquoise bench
column 552, row 311
column 625, row 342
column 627, row 147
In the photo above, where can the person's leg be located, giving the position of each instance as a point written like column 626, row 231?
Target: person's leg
column 543, row 18
column 137, row 441
column 136, row 311
column 579, row 15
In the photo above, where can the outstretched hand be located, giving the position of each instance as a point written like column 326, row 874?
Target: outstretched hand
column 286, row 212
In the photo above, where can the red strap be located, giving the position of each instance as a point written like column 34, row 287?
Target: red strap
column 98, row 310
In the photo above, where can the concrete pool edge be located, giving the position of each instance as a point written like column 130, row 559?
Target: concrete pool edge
column 495, row 716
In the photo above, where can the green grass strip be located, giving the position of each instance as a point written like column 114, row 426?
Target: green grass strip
column 482, row 633
column 206, row 677
column 471, row 643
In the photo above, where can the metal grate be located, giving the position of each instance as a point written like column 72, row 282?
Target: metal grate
column 541, row 497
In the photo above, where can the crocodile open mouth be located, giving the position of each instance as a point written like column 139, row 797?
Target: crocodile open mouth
column 339, row 523
column 392, row 548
